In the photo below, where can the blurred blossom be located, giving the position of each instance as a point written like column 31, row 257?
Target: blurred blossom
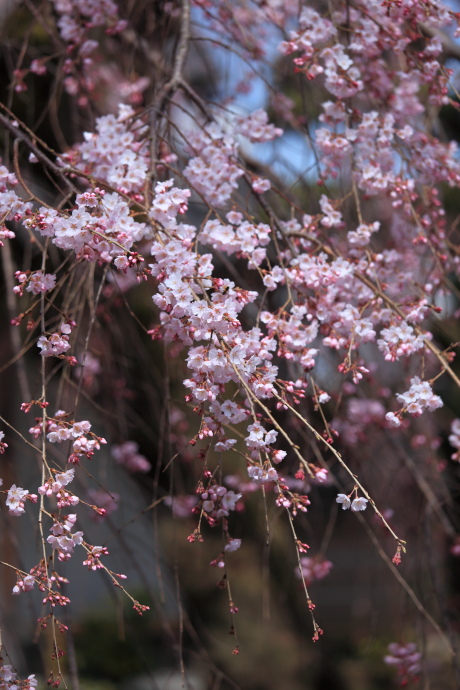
column 103, row 499
column 406, row 659
column 313, row 569
column 126, row 454
column 181, row 506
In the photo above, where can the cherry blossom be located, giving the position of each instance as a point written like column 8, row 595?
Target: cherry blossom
column 359, row 504
column 62, row 539
column 25, row 584
column 314, row 569
column 406, row 659
column 419, row 397
column 344, row 500
column 213, row 170
column 15, row 500
column 9, row 679
column 37, row 282
column 232, row 545
column 218, row 501
column 106, row 503
column 126, row 454
column 55, row 344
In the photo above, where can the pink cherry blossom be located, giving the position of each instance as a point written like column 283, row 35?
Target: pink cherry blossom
column 359, row 504
column 15, row 500
column 344, row 500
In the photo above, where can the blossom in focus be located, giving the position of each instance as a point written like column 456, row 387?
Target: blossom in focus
column 359, row 504
column 15, row 500
column 321, row 475
column 344, row 500
column 62, row 538
column 419, row 397
column 356, row 505
column 41, row 282
column 24, row 585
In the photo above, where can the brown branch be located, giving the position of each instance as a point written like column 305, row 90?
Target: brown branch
column 16, row 131
column 155, row 110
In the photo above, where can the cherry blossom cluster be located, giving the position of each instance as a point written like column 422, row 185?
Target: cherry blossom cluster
column 218, row 501
column 16, row 498
column 99, row 228
column 45, row 582
column 92, row 560
column 360, row 414
column 292, row 501
column 127, row 455
column 57, row 343
column 213, row 171
column 62, row 538
column 235, row 21
column 58, row 429
column 406, row 659
column 9, row 679
column 76, row 19
column 399, row 341
column 181, row 506
column 12, row 207
column 24, row 584
column 56, row 485
column 245, row 239
column 35, row 282
column 417, row 399
column 262, row 475
column 190, row 313
column 313, row 569
column 169, row 201
column 115, row 153
column 257, row 128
